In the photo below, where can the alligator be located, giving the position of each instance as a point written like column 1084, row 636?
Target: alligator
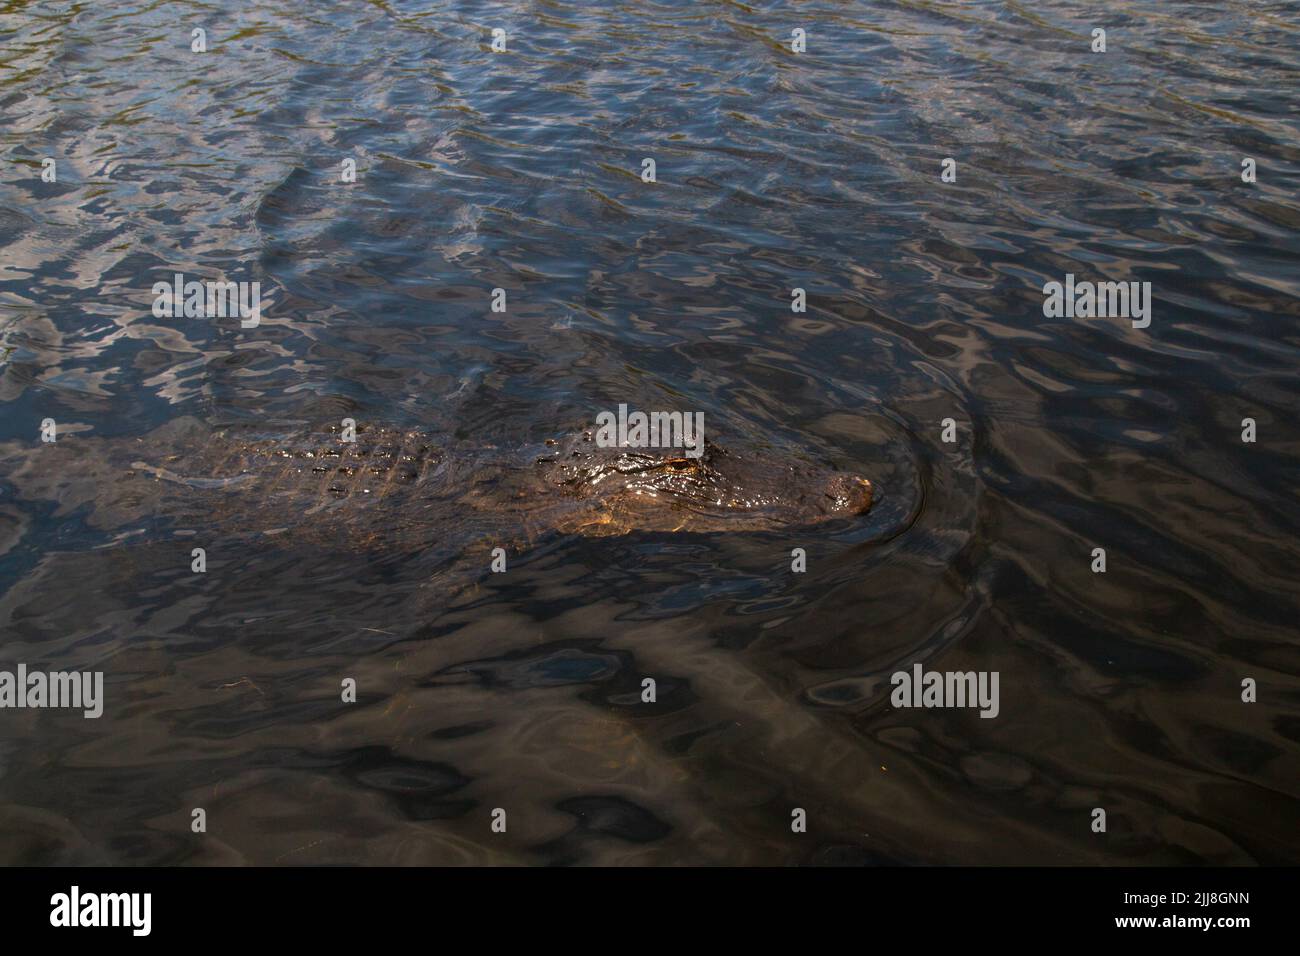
column 391, row 487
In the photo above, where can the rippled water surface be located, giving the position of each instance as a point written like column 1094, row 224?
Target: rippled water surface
column 522, row 171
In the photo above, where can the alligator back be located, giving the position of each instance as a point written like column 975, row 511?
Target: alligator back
column 308, row 484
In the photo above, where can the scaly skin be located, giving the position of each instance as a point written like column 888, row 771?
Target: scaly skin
column 394, row 488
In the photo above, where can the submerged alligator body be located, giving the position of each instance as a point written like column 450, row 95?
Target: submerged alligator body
column 396, row 488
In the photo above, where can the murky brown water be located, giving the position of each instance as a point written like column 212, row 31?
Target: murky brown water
column 521, row 171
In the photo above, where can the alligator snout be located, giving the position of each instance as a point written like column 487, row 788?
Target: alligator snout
column 848, row 495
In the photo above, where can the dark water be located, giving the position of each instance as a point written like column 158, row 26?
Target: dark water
column 521, row 171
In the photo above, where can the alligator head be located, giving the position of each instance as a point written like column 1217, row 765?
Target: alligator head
column 717, row 490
